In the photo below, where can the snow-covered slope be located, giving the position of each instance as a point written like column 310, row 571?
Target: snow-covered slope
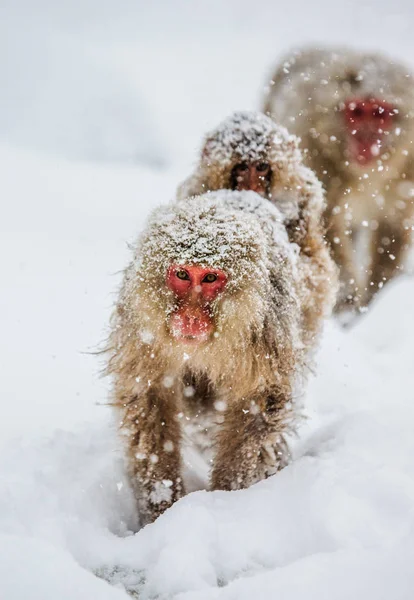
column 338, row 522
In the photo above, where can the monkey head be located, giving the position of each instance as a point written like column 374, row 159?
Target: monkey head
column 359, row 107
column 247, row 151
column 200, row 276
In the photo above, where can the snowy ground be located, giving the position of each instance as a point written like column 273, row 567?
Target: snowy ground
column 102, row 107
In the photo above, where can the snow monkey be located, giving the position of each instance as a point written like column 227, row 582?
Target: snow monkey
column 207, row 343
column 355, row 115
column 248, row 151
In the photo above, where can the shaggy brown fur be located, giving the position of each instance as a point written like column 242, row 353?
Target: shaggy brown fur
column 293, row 188
column 308, row 94
column 235, row 389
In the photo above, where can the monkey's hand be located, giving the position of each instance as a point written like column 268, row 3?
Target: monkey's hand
column 274, row 455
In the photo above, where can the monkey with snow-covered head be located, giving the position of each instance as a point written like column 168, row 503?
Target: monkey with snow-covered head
column 248, row 151
column 355, row 114
column 207, row 332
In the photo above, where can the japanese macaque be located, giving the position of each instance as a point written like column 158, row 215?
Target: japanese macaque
column 355, row 115
column 207, row 340
column 248, row 151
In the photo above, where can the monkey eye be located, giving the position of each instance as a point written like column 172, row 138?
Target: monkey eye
column 181, row 274
column 210, row 278
column 262, row 167
column 243, row 166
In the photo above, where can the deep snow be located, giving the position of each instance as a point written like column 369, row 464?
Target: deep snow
column 339, row 521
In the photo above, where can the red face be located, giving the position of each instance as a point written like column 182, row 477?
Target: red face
column 367, row 122
column 251, row 176
column 194, row 288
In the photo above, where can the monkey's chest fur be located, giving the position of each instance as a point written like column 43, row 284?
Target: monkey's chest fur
column 372, row 198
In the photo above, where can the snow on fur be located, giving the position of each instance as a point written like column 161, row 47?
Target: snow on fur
column 237, row 232
column 224, row 229
column 251, row 136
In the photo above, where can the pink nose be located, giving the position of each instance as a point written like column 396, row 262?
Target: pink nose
column 191, row 322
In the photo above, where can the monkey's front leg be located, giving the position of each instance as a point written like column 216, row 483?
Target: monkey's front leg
column 343, row 251
column 388, row 248
column 154, row 453
column 251, row 443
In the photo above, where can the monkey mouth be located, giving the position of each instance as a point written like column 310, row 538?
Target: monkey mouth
column 364, row 150
column 191, row 325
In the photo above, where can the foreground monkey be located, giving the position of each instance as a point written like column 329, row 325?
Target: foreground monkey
column 355, row 115
column 248, row 151
column 208, row 331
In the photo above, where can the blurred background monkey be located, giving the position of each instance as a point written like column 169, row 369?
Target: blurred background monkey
column 355, row 115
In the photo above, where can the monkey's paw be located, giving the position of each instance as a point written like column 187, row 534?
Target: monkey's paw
column 274, row 455
column 348, row 306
